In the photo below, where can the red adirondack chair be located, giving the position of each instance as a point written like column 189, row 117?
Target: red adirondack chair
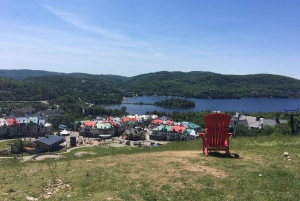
column 216, row 136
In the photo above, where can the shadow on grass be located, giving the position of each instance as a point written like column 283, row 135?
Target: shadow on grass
column 224, row 155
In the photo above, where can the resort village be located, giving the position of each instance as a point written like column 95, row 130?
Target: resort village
column 149, row 130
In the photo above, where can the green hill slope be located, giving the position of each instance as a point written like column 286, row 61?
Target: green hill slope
column 213, row 85
column 111, row 88
column 22, row 74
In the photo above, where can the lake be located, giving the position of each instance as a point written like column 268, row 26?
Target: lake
column 236, row 105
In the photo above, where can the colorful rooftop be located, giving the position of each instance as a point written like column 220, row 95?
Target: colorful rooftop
column 178, row 129
column 90, row 123
column 12, row 121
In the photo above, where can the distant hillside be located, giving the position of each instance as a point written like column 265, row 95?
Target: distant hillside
column 74, row 87
column 61, row 89
column 21, row 74
column 212, row 85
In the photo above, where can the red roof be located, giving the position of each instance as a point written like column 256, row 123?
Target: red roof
column 157, row 121
column 12, row 121
column 178, row 129
column 114, row 124
column 90, row 123
column 125, row 119
column 133, row 119
column 169, row 122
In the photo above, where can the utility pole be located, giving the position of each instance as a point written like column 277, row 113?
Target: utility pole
column 291, row 114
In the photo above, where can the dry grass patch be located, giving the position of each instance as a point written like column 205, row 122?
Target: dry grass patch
column 183, row 162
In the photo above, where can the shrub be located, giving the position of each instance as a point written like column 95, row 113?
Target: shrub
column 283, row 129
column 267, row 130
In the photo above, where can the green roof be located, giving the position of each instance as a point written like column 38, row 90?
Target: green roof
column 191, row 125
column 117, row 119
column 163, row 127
column 100, row 125
column 32, row 119
column 131, row 123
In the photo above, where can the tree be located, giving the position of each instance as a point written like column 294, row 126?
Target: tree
column 123, row 108
column 78, row 124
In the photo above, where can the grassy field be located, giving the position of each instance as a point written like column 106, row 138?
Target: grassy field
column 176, row 171
column 5, row 144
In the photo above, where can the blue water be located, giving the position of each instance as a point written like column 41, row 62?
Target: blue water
column 236, row 105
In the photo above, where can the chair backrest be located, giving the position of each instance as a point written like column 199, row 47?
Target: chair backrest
column 217, row 129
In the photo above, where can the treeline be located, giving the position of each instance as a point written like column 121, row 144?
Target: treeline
column 175, row 103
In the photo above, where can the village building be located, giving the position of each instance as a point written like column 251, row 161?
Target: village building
column 23, row 125
column 87, row 128
column 134, row 134
column 254, row 122
column 166, row 129
column 33, row 126
column 106, row 128
column 14, row 127
column 49, row 142
column 156, row 122
column 3, row 127
column 62, row 127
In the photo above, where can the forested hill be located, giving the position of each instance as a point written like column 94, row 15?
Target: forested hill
column 23, row 74
column 98, row 89
column 213, row 85
column 60, row 89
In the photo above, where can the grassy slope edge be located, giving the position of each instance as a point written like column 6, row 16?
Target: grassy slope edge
column 177, row 171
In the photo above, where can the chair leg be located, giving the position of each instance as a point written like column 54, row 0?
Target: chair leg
column 227, row 151
column 206, row 151
column 204, row 146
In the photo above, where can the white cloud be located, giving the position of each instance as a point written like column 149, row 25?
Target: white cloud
column 122, row 40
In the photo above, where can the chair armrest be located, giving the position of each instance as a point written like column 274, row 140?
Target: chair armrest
column 202, row 135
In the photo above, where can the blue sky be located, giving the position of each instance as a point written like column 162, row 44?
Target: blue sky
column 132, row 37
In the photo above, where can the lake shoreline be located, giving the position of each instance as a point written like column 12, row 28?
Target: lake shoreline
column 247, row 105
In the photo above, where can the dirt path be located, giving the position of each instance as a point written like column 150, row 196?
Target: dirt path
column 42, row 157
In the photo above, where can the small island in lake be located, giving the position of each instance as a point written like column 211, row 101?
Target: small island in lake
column 175, row 103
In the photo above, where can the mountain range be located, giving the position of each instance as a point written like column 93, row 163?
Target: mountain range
column 37, row 84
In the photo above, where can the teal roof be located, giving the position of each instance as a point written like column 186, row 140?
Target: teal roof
column 116, row 119
column 131, row 123
column 191, row 125
column 22, row 120
column 162, row 127
column 33, row 120
column 61, row 126
column 188, row 130
column 100, row 125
